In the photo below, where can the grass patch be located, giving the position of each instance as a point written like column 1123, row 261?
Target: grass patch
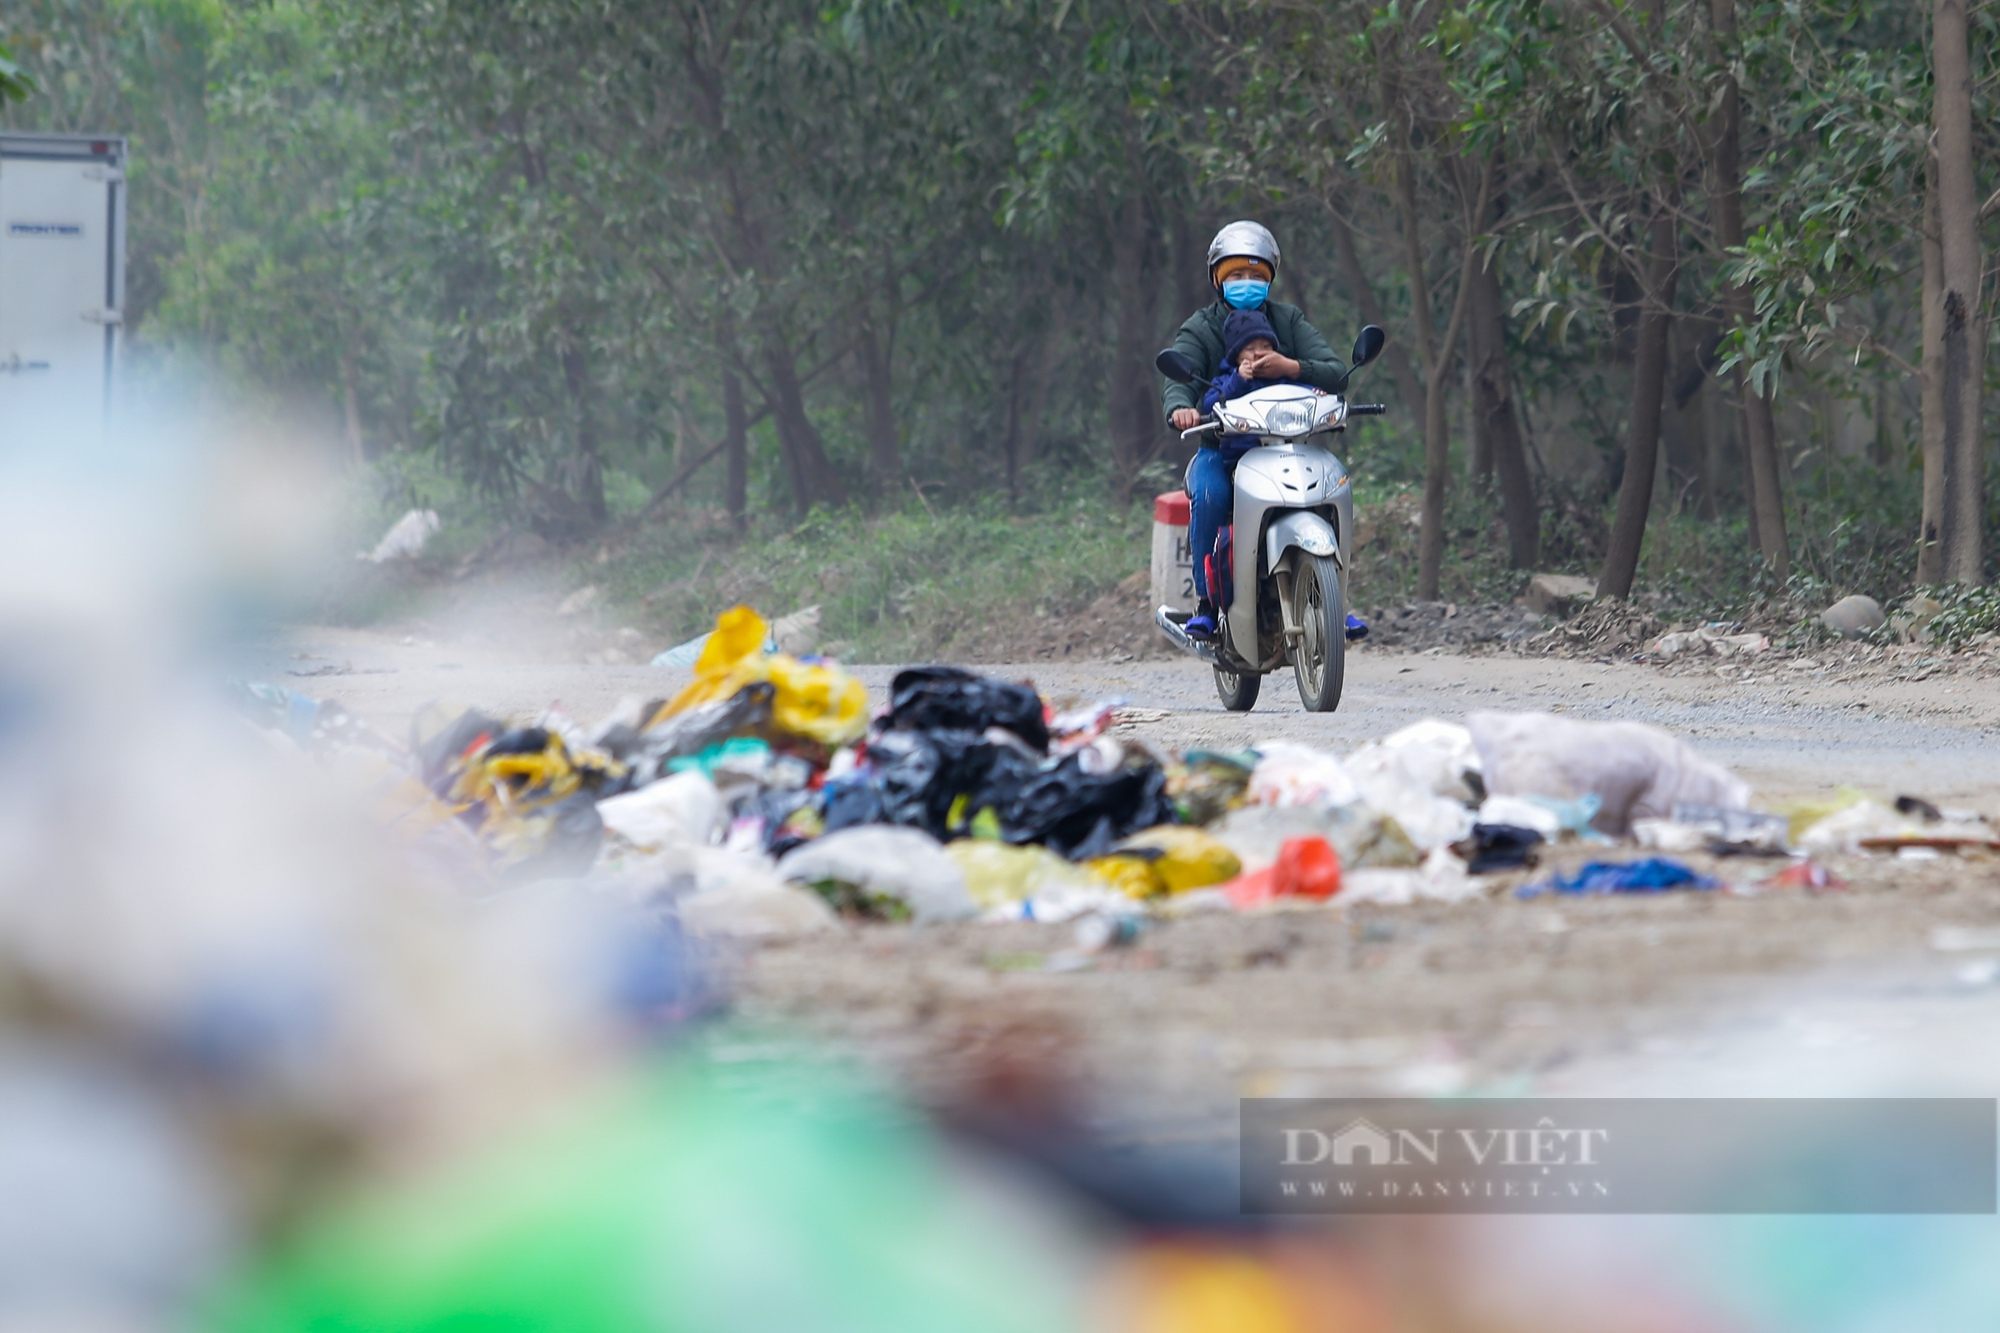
column 890, row 587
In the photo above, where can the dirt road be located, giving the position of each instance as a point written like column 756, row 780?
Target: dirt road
column 1680, row 991
column 1787, row 728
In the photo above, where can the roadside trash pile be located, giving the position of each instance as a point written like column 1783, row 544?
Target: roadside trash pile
column 766, row 799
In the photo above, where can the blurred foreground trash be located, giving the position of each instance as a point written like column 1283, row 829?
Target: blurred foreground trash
column 1500, row 847
column 1306, row 868
column 1715, row 829
column 897, row 872
column 797, row 634
column 813, row 700
column 1654, row 874
column 1164, row 861
column 1635, row 771
column 1028, row 882
column 683, row 1198
column 763, row 801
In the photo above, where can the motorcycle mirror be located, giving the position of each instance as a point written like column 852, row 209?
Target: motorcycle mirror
column 1368, row 345
column 1178, row 366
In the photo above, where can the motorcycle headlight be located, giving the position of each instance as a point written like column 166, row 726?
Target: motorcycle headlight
column 1288, row 419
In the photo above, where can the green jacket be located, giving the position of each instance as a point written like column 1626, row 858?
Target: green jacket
column 1201, row 338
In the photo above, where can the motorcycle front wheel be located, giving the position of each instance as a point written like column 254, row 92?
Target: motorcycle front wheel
column 1237, row 692
column 1319, row 660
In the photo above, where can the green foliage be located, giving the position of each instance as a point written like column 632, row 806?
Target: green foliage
column 15, row 85
column 511, row 247
column 897, row 586
column 1970, row 612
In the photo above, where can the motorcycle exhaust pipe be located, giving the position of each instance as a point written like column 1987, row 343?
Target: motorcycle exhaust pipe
column 1178, row 635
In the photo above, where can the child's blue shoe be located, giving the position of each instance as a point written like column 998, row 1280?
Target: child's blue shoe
column 1357, row 628
column 1200, row 627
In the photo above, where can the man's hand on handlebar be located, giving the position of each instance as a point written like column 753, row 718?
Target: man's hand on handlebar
column 1185, row 418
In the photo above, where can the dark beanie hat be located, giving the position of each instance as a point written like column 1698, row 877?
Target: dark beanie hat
column 1241, row 327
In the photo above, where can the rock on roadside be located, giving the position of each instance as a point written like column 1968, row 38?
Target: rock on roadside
column 1852, row 617
column 1558, row 594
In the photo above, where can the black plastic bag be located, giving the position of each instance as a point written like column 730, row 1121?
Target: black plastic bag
column 1499, row 847
column 920, row 779
column 437, row 758
column 945, row 698
column 1079, row 814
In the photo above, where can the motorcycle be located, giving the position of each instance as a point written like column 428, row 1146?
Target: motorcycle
column 1284, row 600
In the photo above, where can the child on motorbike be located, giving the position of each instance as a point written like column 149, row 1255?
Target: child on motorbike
column 1247, row 339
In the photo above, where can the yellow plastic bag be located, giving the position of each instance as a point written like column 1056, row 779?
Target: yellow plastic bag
column 1167, row 859
column 820, row 702
column 1806, row 812
column 997, row 874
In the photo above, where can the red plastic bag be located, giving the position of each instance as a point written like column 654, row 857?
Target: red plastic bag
column 1305, row 868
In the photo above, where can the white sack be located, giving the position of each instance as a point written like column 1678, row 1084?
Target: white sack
column 1636, row 771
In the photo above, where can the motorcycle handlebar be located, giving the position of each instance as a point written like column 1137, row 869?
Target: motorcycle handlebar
column 1367, row 409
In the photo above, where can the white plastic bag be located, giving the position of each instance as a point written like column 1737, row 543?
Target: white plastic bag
column 1423, row 777
column 1387, row 784
column 1442, row 878
column 1439, row 755
column 1288, row 773
column 408, row 537
column 683, row 810
column 749, row 910
column 1636, row 771
column 901, row 863
column 1842, row 831
column 1520, row 812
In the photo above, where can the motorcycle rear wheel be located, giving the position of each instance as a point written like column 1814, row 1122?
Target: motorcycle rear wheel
column 1319, row 659
column 1237, row 692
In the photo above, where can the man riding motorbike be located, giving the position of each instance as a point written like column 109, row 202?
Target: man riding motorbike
column 1242, row 263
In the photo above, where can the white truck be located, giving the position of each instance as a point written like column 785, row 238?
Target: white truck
column 62, row 282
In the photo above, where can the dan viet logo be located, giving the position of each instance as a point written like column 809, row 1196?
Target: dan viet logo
column 1687, row 1155
column 1541, row 1161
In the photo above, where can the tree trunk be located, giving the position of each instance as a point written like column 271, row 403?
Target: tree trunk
column 350, row 395
column 1192, row 288
column 1133, row 397
column 1035, row 369
column 1684, row 439
column 1930, row 548
column 736, row 450
column 1642, row 441
column 814, row 480
column 1479, row 458
column 589, row 466
column 1369, row 304
column 884, row 457
column 1964, row 329
column 1437, row 363
column 1765, row 493
column 1437, row 441
column 1493, row 414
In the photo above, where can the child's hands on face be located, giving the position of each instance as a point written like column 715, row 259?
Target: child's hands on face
column 1260, row 360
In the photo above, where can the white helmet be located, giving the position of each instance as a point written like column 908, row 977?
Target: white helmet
column 1249, row 240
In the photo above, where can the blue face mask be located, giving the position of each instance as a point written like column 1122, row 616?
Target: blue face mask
column 1245, row 293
